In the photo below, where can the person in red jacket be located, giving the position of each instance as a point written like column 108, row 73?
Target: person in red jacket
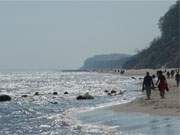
column 162, row 84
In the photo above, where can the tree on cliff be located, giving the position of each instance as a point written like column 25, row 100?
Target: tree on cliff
column 164, row 50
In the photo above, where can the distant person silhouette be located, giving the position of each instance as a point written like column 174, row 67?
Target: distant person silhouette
column 154, row 79
column 177, row 70
column 168, row 74
column 177, row 78
column 122, row 72
column 172, row 73
column 162, row 84
column 148, row 85
column 153, row 76
column 158, row 72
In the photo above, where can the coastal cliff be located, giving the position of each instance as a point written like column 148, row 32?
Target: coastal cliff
column 164, row 51
column 105, row 62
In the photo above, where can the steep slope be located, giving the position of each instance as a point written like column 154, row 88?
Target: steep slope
column 110, row 61
column 164, row 51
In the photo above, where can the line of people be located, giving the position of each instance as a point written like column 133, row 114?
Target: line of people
column 161, row 83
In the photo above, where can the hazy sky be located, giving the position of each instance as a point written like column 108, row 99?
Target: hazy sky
column 63, row 34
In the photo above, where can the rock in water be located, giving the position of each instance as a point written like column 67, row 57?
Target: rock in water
column 66, row 92
column 109, row 94
column 84, row 97
column 113, row 92
column 24, row 96
column 106, row 91
column 55, row 93
column 36, row 94
column 133, row 78
column 121, row 92
column 53, row 102
column 80, row 97
column 4, row 98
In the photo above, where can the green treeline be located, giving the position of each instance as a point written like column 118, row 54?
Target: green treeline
column 164, row 51
column 105, row 62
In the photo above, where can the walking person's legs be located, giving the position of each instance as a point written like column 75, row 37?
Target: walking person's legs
column 177, row 83
column 162, row 93
column 148, row 92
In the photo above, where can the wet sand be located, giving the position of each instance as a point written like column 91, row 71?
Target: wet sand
column 156, row 106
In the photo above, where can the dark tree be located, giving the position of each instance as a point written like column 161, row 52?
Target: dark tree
column 164, row 50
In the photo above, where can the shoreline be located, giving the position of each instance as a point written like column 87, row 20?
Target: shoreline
column 156, row 106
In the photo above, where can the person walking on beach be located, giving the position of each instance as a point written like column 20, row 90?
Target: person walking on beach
column 172, row 73
column 168, row 74
column 162, row 84
column 147, row 85
column 177, row 78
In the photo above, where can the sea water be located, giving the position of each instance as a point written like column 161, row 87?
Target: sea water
column 132, row 123
column 48, row 114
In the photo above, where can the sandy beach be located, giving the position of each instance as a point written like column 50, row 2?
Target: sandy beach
column 156, row 106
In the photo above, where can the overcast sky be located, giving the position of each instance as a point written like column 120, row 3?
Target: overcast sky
column 42, row 35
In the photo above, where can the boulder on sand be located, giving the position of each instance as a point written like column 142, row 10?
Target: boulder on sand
column 4, row 98
column 85, row 96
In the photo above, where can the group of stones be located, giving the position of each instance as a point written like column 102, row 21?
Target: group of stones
column 5, row 97
column 86, row 96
